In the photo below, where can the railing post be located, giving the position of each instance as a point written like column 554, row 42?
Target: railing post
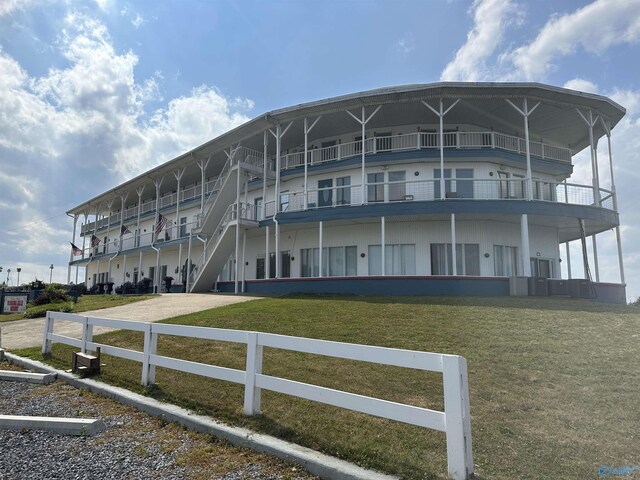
column 252, row 394
column 48, row 328
column 457, row 421
column 493, row 139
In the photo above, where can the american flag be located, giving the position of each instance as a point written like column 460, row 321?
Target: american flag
column 124, row 230
column 95, row 241
column 162, row 222
column 76, row 251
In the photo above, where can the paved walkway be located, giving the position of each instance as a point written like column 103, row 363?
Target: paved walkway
column 28, row 333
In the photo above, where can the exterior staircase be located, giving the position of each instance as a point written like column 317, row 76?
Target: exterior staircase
column 221, row 217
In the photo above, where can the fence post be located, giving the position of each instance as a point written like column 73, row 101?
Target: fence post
column 48, row 328
column 252, row 394
column 148, row 373
column 87, row 334
column 457, row 421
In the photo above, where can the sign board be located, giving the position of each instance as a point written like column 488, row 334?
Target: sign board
column 14, row 303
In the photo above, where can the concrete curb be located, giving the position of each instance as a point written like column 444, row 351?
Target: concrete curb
column 41, row 378
column 63, row 426
column 314, row 462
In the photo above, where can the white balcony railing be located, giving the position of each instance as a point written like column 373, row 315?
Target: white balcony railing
column 429, row 190
column 426, row 140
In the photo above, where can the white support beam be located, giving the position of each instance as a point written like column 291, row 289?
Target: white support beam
column 202, row 164
column 441, row 113
column 594, row 162
column 454, row 253
column 525, row 250
column 363, row 123
column 383, row 246
column 307, row 130
column 526, row 112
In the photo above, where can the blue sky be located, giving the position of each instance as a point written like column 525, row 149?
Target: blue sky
column 94, row 92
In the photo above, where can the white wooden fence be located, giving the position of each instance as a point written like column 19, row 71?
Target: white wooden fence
column 454, row 421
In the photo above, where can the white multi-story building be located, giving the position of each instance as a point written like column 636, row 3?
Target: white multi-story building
column 296, row 201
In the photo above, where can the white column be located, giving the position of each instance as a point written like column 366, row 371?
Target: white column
column 203, row 166
column 124, row 268
column 244, row 260
column 383, row 246
column 178, row 176
column 237, row 247
column 189, row 262
column 73, row 240
column 320, row 250
column 525, row 254
column 615, row 202
column 136, row 241
column 595, row 257
column 123, row 198
column 568, row 260
column 106, row 247
column 454, row 253
column 264, row 176
column 441, row 113
column 525, row 112
column 84, row 237
column 307, row 129
column 267, row 257
column 594, row 173
column 363, row 123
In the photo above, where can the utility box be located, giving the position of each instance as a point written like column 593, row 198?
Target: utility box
column 558, row 287
column 538, row 287
column 579, row 288
column 518, row 287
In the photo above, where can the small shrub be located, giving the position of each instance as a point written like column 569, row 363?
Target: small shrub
column 51, row 294
column 635, row 303
column 36, row 311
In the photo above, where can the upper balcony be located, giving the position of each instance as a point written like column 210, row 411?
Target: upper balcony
column 427, row 141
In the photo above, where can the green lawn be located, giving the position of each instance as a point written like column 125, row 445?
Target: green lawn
column 554, row 383
column 88, row 302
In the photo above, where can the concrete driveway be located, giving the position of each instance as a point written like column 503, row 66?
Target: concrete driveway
column 28, row 333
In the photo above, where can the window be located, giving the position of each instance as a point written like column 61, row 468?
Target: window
column 152, row 274
column 336, row 261
column 325, row 192
column 399, row 259
column 375, row 187
column 260, row 268
column 343, row 191
column 541, row 267
column 135, row 275
column 284, row 201
column 163, row 273
column 397, row 186
column 309, row 262
column 458, row 183
column 467, row 259
column 505, row 260
column 258, row 204
column 183, row 227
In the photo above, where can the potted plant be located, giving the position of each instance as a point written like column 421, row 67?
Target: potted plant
column 109, row 287
column 167, row 282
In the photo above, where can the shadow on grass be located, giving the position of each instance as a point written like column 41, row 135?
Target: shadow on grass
column 538, row 303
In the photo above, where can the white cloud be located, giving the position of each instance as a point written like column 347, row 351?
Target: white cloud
column 138, row 21
column 491, row 17
column 406, row 44
column 595, row 27
column 581, row 85
column 87, row 121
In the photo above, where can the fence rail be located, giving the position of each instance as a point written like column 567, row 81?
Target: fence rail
column 454, row 421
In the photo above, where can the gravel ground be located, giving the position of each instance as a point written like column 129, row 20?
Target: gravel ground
column 134, row 445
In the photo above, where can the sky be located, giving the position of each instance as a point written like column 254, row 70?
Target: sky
column 93, row 93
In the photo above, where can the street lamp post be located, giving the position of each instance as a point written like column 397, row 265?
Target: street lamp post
column 50, row 272
column 8, row 274
column 18, row 270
